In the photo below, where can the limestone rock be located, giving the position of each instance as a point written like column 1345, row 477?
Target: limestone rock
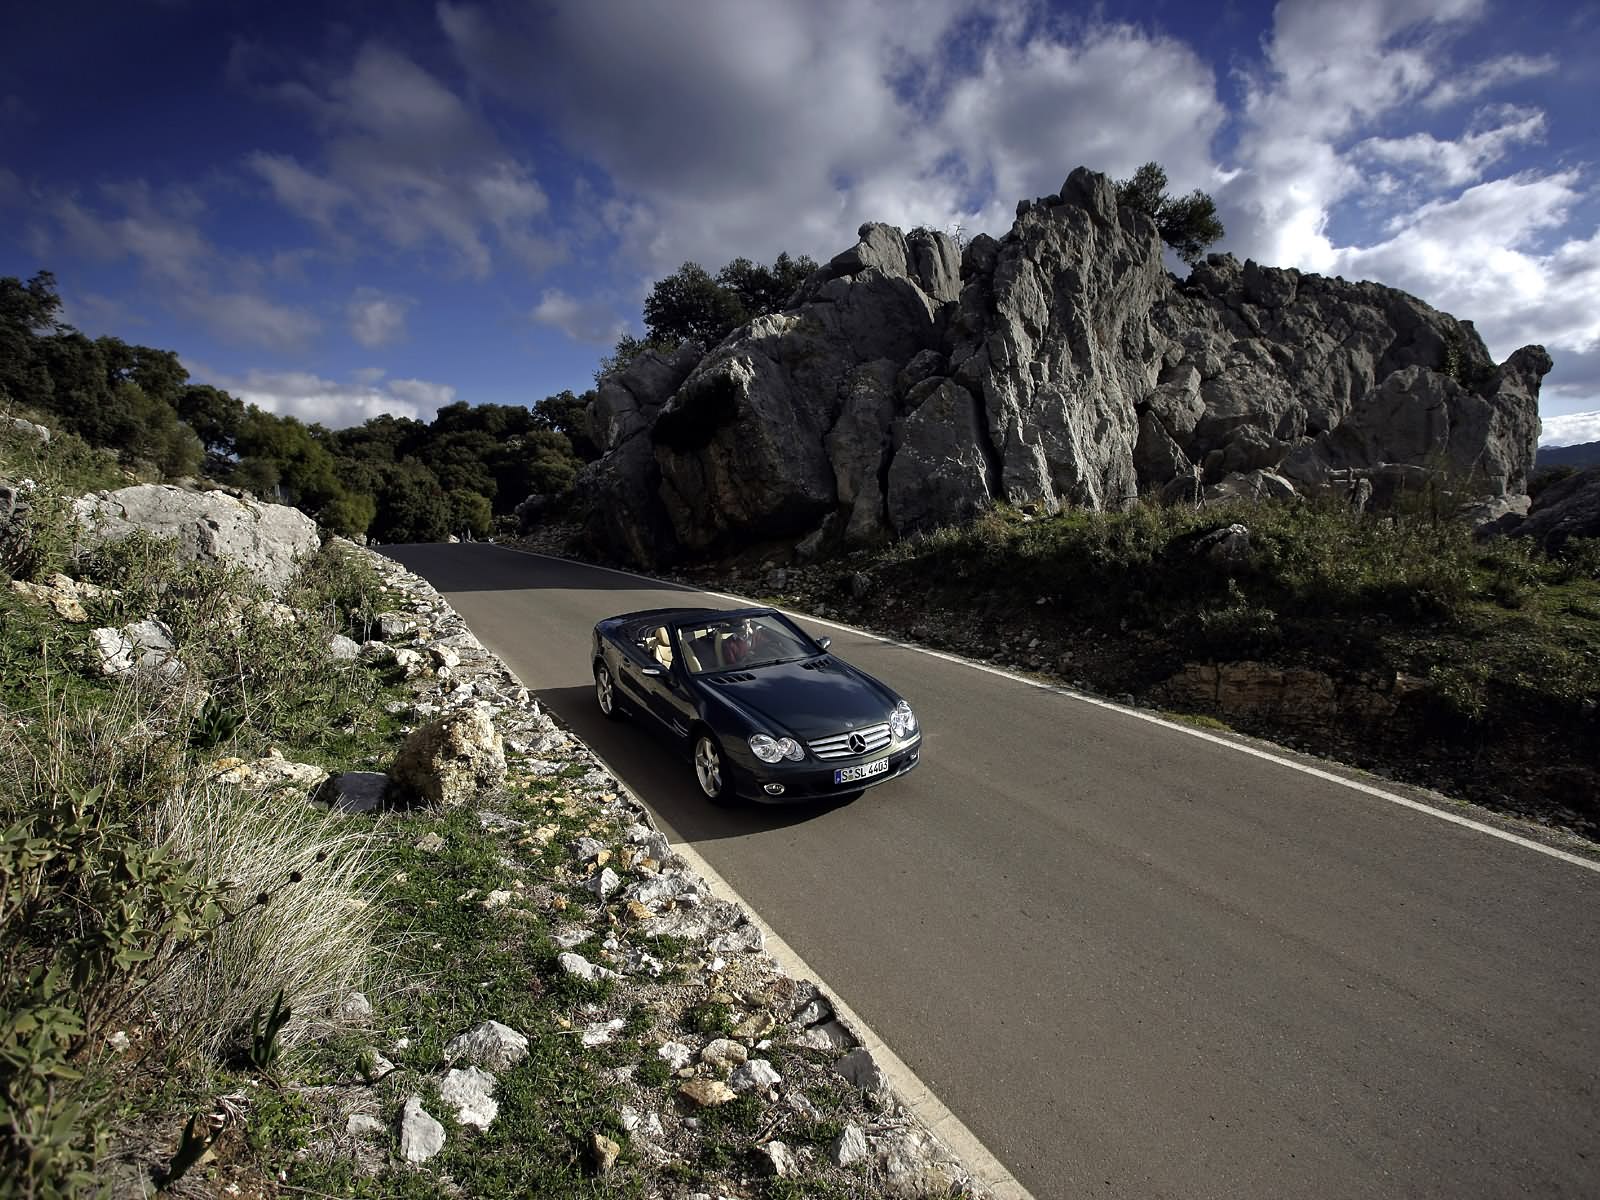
column 267, row 541
column 706, row 1093
column 491, row 1045
column 1568, row 509
column 779, row 1159
column 363, row 1125
column 723, row 1054
column 849, row 1147
column 757, row 1075
column 471, row 1093
column 861, row 1069
column 421, row 1137
column 451, row 760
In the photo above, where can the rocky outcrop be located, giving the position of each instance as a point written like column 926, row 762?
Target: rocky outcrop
column 1567, row 509
column 1057, row 365
column 264, row 540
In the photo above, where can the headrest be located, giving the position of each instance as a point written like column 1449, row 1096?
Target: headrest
column 662, row 637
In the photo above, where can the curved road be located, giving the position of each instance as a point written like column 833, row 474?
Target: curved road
column 1134, row 962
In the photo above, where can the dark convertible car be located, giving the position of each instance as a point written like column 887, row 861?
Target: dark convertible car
column 764, row 711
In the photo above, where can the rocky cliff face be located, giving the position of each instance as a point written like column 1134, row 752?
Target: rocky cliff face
column 909, row 385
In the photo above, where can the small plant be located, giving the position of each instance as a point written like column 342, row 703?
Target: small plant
column 265, row 1026
column 200, row 1133
column 215, row 724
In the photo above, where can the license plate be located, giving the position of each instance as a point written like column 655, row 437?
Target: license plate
column 863, row 771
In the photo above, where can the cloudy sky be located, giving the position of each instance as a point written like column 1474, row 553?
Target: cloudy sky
column 347, row 208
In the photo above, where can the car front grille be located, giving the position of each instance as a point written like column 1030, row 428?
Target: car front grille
column 874, row 737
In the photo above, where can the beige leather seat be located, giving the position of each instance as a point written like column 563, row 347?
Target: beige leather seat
column 662, row 647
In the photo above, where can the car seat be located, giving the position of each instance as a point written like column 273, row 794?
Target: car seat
column 662, row 647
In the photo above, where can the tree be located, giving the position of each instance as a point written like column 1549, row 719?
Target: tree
column 761, row 290
column 214, row 415
column 689, row 305
column 1189, row 224
column 568, row 414
column 28, row 313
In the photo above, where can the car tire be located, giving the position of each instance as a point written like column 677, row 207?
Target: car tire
column 605, row 692
column 711, row 770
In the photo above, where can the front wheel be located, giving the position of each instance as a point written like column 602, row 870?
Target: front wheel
column 711, row 770
column 605, row 691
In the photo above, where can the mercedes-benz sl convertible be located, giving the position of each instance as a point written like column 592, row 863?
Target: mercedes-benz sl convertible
column 763, row 710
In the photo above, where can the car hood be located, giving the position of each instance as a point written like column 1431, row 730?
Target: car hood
column 810, row 699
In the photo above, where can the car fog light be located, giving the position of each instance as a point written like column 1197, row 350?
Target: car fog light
column 774, row 789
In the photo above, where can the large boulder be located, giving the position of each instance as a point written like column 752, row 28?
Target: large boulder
column 451, row 760
column 1474, row 441
column 1054, row 338
column 1568, row 509
column 267, row 541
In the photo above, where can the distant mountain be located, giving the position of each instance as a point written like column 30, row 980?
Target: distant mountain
column 1585, row 454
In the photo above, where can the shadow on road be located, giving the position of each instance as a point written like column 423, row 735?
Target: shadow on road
column 483, row 567
column 653, row 766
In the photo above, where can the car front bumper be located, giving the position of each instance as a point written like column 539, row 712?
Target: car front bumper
column 810, row 780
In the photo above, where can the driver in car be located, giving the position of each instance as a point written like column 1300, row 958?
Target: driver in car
column 737, row 645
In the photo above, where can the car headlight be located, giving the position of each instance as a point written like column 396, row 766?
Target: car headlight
column 902, row 721
column 770, row 749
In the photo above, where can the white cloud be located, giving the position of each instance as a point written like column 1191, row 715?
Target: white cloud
column 797, row 122
column 1571, row 429
column 404, row 156
column 1466, row 85
column 183, row 270
column 377, row 318
column 1454, row 164
column 593, row 321
column 312, row 398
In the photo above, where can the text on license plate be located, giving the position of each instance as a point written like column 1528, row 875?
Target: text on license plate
column 863, row 771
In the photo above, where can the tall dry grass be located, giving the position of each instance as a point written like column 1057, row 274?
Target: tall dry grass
column 317, row 874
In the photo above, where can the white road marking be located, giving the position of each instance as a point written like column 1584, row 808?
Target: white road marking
column 1187, row 730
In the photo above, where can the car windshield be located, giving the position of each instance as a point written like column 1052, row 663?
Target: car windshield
column 742, row 644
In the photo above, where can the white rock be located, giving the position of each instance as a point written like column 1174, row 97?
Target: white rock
column 861, row 1069
column 421, row 1137
column 444, row 657
column 353, row 1008
column 675, row 1054
column 813, row 1012
column 780, row 1159
column 850, row 1146
column 344, row 649
column 113, row 652
column 568, row 938
column 363, row 1125
column 490, row 1045
column 724, row 1053
column 471, row 1093
column 646, row 1124
column 603, row 883
column 830, row 1035
column 757, row 1075
column 601, row 1032
column 577, row 964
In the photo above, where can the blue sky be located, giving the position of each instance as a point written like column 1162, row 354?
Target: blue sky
column 341, row 209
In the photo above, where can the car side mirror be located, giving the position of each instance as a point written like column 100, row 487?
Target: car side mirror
column 824, row 642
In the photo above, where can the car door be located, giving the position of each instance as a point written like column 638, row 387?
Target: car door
column 671, row 693
column 632, row 663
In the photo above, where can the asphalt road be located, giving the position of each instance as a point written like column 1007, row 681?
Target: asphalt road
column 1136, row 963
